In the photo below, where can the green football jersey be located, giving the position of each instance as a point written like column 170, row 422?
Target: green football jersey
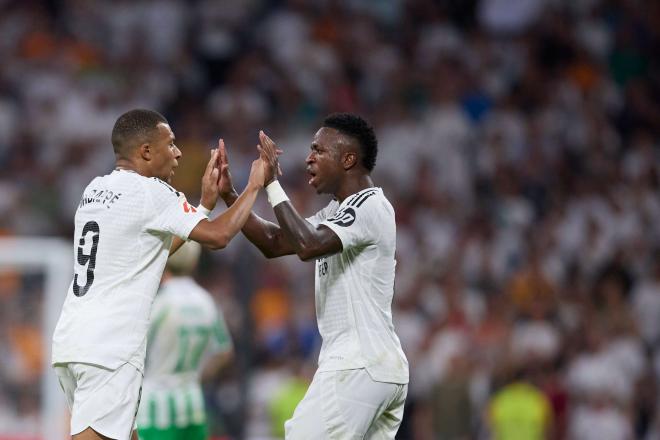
column 185, row 328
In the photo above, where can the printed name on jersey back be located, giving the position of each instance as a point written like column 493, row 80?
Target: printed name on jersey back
column 346, row 215
column 103, row 196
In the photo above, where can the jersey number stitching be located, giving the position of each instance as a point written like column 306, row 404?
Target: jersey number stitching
column 84, row 259
column 192, row 341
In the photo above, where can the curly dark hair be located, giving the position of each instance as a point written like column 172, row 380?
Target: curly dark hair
column 359, row 129
column 134, row 127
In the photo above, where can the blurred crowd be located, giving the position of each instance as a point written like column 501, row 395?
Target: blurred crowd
column 519, row 142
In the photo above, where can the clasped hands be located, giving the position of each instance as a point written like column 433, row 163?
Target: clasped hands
column 217, row 181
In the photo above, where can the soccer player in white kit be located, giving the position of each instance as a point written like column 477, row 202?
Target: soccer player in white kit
column 126, row 225
column 360, row 387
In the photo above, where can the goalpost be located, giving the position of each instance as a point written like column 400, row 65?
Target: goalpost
column 53, row 258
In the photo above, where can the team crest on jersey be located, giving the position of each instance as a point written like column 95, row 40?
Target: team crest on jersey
column 343, row 217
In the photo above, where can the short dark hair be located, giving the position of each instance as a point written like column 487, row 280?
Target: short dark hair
column 359, row 129
column 133, row 128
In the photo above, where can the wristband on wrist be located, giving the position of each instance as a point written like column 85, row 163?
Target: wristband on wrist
column 204, row 210
column 276, row 194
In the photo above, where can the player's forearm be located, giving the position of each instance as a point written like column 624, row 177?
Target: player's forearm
column 266, row 236
column 302, row 235
column 230, row 222
column 176, row 244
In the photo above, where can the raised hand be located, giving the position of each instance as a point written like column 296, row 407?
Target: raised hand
column 258, row 173
column 225, row 185
column 269, row 153
column 210, row 182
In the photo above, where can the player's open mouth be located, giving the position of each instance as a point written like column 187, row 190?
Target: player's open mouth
column 312, row 178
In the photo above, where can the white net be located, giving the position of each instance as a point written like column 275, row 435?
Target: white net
column 34, row 276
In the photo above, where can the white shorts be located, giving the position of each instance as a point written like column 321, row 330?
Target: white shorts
column 101, row 398
column 347, row 404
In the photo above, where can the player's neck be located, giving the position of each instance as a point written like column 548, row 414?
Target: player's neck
column 353, row 185
column 127, row 165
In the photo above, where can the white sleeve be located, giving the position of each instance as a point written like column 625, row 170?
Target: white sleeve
column 170, row 211
column 321, row 215
column 357, row 225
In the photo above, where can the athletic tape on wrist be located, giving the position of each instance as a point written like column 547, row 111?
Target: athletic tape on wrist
column 276, row 194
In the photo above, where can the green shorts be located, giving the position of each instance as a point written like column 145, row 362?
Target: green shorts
column 192, row 432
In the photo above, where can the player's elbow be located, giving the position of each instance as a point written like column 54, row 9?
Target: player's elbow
column 306, row 253
column 216, row 247
column 217, row 242
column 274, row 249
column 267, row 250
column 210, row 236
column 269, row 254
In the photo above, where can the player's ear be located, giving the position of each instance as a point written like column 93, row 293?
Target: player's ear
column 146, row 152
column 349, row 160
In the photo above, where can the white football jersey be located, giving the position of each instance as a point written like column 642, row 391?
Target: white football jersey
column 124, row 227
column 354, row 289
column 185, row 329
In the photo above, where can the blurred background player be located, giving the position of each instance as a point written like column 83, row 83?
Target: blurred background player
column 188, row 344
